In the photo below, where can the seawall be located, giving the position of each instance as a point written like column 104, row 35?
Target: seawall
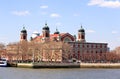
column 69, row 65
column 48, row 65
column 100, row 65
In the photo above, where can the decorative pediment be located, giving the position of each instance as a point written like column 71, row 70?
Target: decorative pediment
column 67, row 37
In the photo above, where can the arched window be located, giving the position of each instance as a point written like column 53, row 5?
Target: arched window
column 67, row 39
column 24, row 37
column 83, row 37
column 47, row 34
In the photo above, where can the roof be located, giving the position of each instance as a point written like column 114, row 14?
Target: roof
column 23, row 30
column 51, row 36
column 81, row 29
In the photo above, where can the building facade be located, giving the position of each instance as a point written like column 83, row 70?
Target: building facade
column 79, row 44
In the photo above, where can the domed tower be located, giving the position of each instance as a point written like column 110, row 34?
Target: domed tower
column 58, row 37
column 81, row 35
column 23, row 34
column 46, row 32
column 56, row 32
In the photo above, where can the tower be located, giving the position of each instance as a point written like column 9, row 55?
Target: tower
column 81, row 35
column 23, row 35
column 46, row 32
column 58, row 33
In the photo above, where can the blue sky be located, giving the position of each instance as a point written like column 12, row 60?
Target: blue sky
column 100, row 18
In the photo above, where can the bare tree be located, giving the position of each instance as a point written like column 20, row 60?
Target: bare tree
column 117, row 50
column 23, row 50
column 2, row 47
column 49, row 51
column 66, row 51
column 56, row 51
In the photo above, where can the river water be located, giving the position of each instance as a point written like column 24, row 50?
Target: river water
column 75, row 73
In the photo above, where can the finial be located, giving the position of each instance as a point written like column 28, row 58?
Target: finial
column 45, row 22
column 81, row 26
column 56, row 32
column 23, row 26
column 56, row 29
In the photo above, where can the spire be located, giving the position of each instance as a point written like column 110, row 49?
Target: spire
column 81, row 26
column 23, row 27
column 23, row 30
column 45, row 23
column 56, row 29
column 81, row 29
column 46, row 26
column 81, row 34
column 23, row 35
column 57, row 32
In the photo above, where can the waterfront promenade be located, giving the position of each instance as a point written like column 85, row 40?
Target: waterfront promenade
column 68, row 65
column 49, row 65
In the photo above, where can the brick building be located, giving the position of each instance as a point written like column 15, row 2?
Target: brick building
column 79, row 44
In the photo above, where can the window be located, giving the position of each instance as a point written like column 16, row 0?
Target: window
column 83, row 46
column 67, row 39
column 96, row 46
column 105, row 46
column 87, row 46
column 83, row 37
column 47, row 34
column 91, row 46
column 24, row 37
column 96, row 52
column 87, row 51
column 73, row 45
column 91, row 51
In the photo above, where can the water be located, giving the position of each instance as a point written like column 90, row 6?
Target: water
column 25, row 73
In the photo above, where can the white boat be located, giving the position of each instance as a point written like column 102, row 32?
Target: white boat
column 3, row 62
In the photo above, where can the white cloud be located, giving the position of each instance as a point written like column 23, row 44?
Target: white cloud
column 43, row 6
column 90, row 31
column 95, row 2
column 55, row 15
column 21, row 13
column 114, row 32
column 105, row 3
